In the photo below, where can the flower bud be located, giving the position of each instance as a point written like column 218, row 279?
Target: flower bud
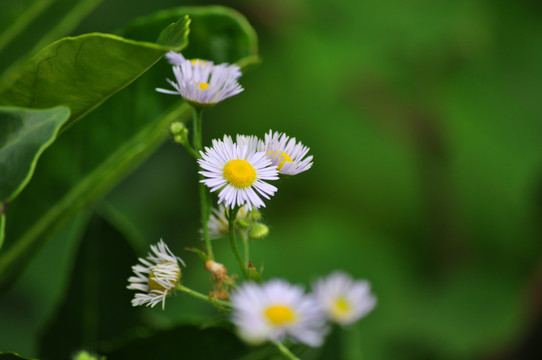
column 258, row 231
column 176, row 128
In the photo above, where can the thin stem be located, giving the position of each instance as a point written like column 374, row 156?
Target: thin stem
column 203, row 297
column 232, row 216
column 244, row 237
column 190, row 150
column 205, row 200
column 350, row 339
column 196, row 131
column 285, row 351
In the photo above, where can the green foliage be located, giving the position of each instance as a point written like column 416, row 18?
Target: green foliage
column 24, row 135
column 95, row 154
column 82, row 321
column 19, row 21
column 119, row 135
column 84, row 71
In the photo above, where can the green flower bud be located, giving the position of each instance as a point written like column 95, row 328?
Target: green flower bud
column 258, row 231
column 176, row 128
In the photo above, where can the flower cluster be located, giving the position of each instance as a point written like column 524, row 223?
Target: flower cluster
column 241, row 169
column 241, row 172
column 277, row 310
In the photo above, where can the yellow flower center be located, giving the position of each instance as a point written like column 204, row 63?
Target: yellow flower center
column 341, row 306
column 165, row 267
column 279, row 314
column 285, row 158
column 203, row 85
column 239, row 173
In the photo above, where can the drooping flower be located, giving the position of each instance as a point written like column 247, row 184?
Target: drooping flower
column 237, row 173
column 284, row 152
column 156, row 277
column 277, row 310
column 201, row 82
column 344, row 299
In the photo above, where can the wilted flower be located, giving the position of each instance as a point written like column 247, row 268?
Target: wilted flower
column 156, row 276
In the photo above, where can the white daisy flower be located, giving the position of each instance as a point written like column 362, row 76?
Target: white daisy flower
column 218, row 222
column 202, row 83
column 277, row 310
column 156, row 276
column 344, row 299
column 287, row 154
column 177, row 59
column 237, row 173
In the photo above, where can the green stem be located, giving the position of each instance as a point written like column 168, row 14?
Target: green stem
column 191, row 151
column 196, row 131
column 351, row 342
column 244, row 237
column 203, row 297
column 285, row 351
column 231, row 220
column 205, row 200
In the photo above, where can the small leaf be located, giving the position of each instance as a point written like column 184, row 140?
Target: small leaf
column 217, row 33
column 24, row 135
column 174, row 33
column 81, row 72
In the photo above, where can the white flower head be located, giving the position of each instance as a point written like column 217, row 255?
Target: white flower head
column 202, row 83
column 237, row 173
column 344, row 299
column 287, row 154
column 156, row 277
column 218, row 222
column 277, row 310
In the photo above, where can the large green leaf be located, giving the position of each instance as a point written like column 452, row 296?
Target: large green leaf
column 29, row 25
column 216, row 32
column 97, row 153
column 83, row 71
column 24, row 135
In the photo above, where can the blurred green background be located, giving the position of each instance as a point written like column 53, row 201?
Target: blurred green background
column 425, row 122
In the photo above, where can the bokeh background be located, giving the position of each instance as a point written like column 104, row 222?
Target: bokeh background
column 425, row 122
